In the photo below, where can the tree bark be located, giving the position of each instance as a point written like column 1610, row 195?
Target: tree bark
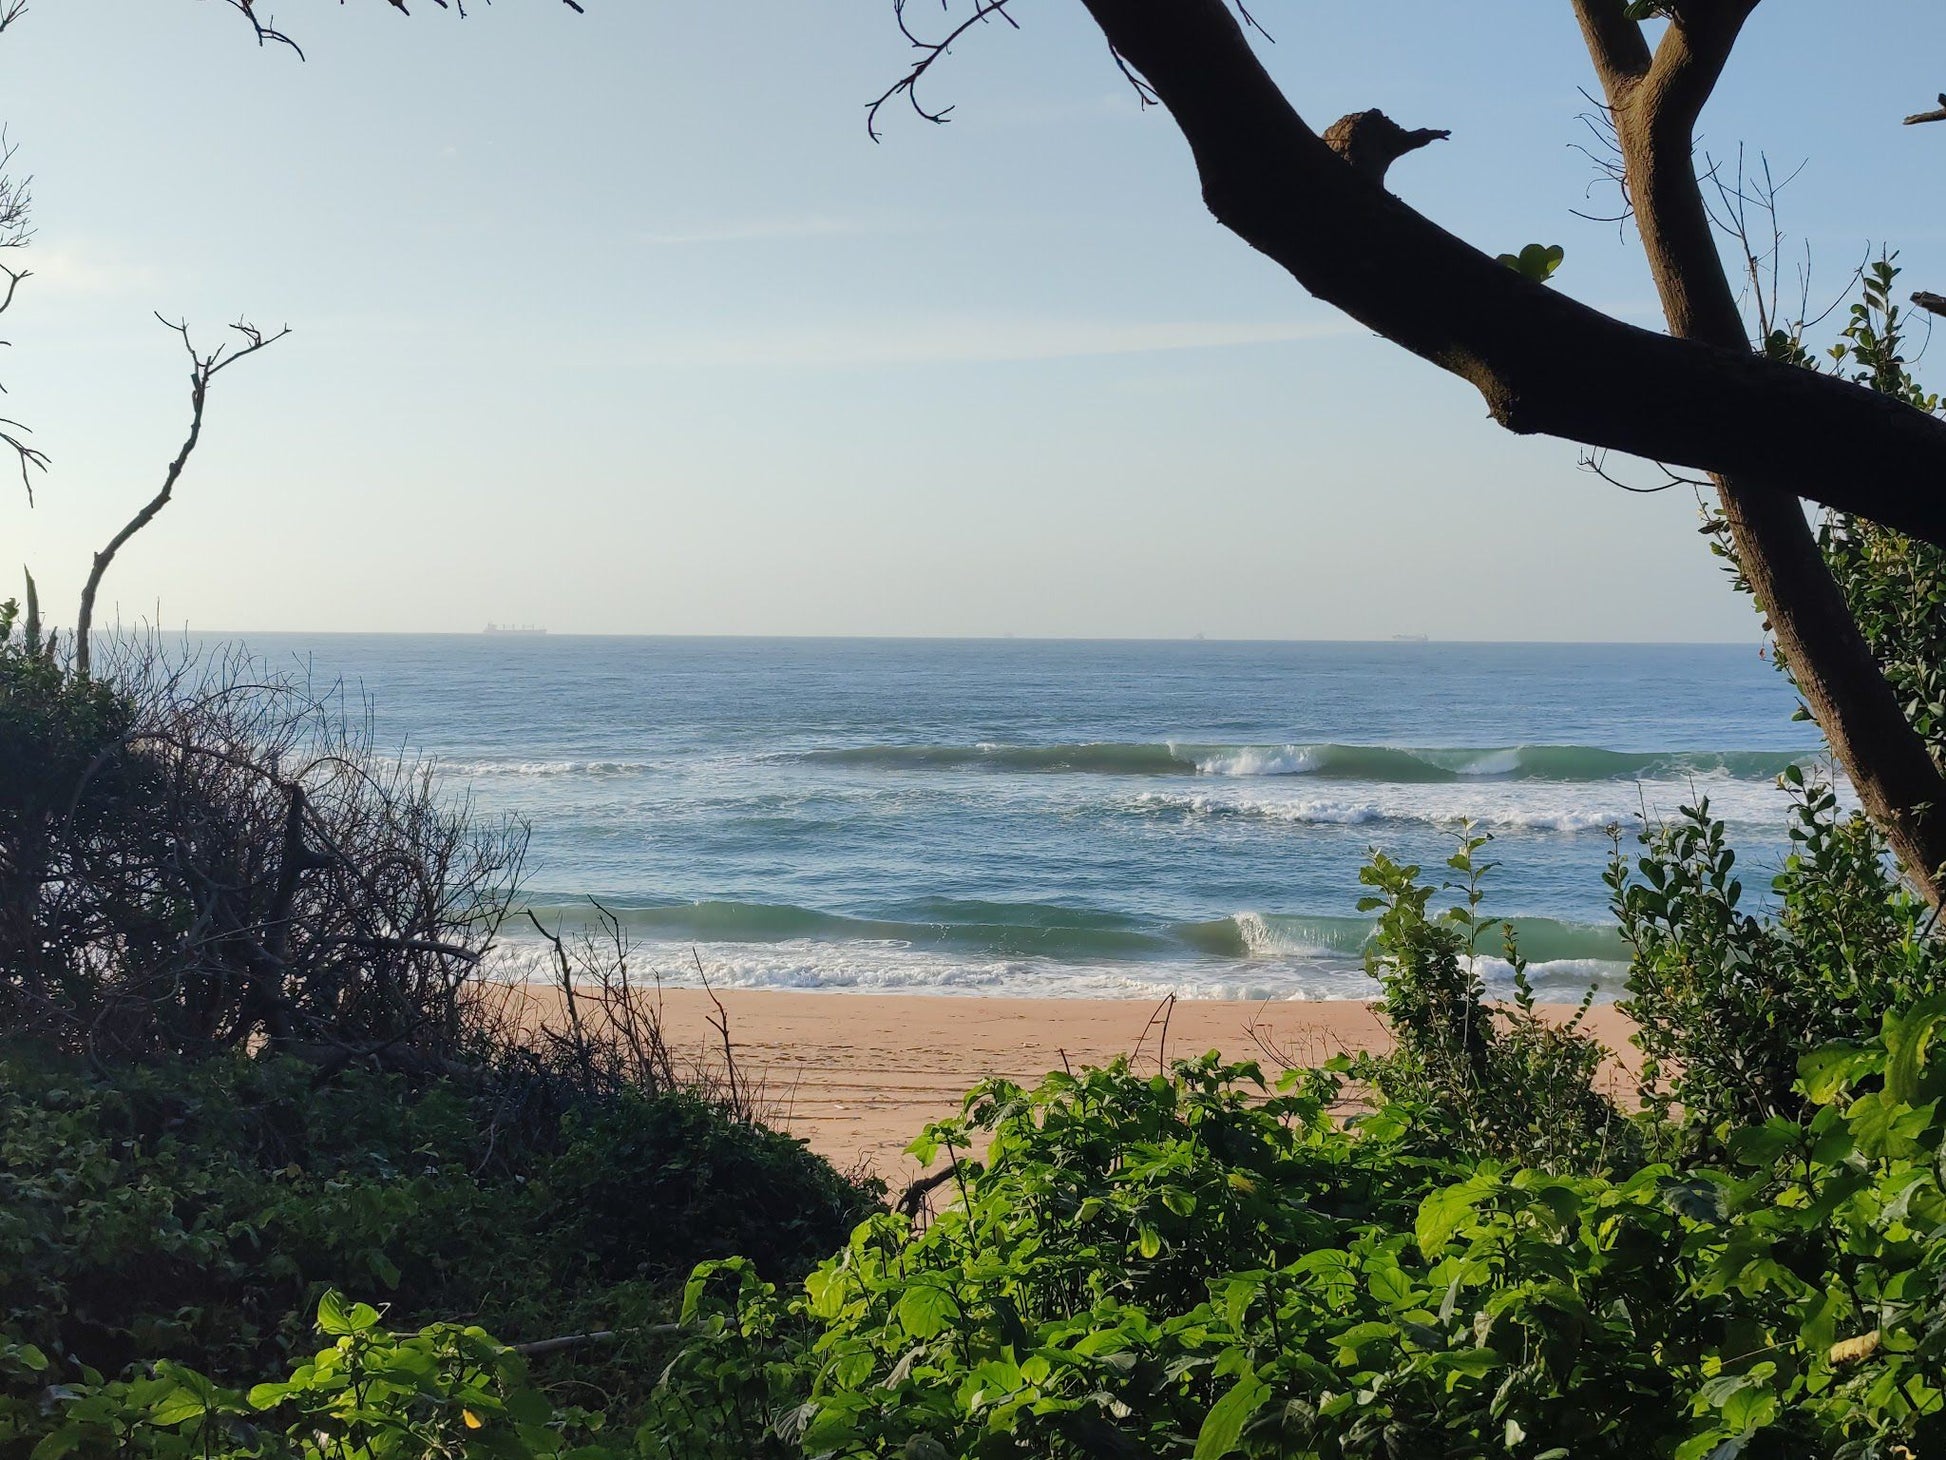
column 1543, row 362
column 1656, row 100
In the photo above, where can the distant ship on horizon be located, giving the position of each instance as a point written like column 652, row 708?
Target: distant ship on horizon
column 1410, row 639
column 513, row 629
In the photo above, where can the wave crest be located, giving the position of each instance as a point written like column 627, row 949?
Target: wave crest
column 1325, row 760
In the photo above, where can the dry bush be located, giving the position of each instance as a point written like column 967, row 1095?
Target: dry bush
column 198, row 853
column 598, row 1025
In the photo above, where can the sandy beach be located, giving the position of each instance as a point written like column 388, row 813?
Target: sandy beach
column 857, row 1075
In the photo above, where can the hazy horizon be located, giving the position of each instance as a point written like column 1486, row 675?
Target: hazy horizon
column 1754, row 642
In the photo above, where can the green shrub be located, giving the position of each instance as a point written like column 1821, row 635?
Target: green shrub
column 195, row 1211
column 1183, row 1268
column 445, row 1391
column 1506, row 1081
column 1725, row 1001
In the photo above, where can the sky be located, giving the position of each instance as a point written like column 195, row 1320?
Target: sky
column 621, row 323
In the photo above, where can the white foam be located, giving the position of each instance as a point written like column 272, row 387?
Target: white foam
column 1570, row 807
column 889, row 968
column 1563, row 981
column 479, row 769
column 1304, row 811
column 1259, row 760
column 1493, row 763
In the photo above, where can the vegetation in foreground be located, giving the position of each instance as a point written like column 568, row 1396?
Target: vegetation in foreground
column 267, row 1197
column 1195, row 1263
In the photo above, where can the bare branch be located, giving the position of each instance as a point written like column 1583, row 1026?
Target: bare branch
column 1596, row 463
column 1931, row 303
column 30, row 458
column 268, row 34
column 1934, row 116
column 202, row 370
column 931, row 53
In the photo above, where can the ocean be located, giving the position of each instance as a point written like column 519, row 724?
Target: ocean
column 1097, row 818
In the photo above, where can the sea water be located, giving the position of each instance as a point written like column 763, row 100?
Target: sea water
column 1071, row 818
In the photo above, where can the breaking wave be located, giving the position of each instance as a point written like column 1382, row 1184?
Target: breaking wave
column 1328, row 760
column 1057, row 933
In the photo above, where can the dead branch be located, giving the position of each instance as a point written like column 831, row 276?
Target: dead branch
column 930, row 54
column 542, row 1346
column 268, row 34
column 914, row 1199
column 1933, row 116
column 203, row 369
column 1931, row 303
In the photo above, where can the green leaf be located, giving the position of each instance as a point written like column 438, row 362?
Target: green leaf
column 1828, row 1071
column 178, row 1408
column 1445, row 1212
column 1906, row 1038
column 926, row 1309
column 529, row 1407
column 332, row 1315
column 1536, row 261
column 1223, row 1425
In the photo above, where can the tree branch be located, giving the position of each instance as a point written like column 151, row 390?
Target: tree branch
column 1544, row 363
column 931, row 53
column 1619, row 49
column 1935, row 116
column 1688, row 63
column 202, row 370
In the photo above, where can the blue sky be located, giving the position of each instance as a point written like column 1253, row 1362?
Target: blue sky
column 619, row 323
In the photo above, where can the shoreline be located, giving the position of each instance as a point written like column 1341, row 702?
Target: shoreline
column 857, row 1075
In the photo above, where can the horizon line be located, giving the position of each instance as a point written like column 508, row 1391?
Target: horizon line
column 1400, row 640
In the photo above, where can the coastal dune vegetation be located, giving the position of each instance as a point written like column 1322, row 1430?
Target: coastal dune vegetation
column 283, row 1173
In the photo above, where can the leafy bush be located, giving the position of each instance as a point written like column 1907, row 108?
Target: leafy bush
column 1506, row 1081
column 447, row 1390
column 195, row 1212
column 1181, row 1268
column 1726, row 1002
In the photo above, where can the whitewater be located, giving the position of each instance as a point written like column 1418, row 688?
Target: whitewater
column 1070, row 818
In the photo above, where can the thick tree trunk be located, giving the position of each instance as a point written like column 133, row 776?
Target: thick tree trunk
column 1655, row 102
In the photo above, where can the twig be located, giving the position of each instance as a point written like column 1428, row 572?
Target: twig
column 1168, row 1003
column 721, row 1024
column 932, row 52
column 1597, row 462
